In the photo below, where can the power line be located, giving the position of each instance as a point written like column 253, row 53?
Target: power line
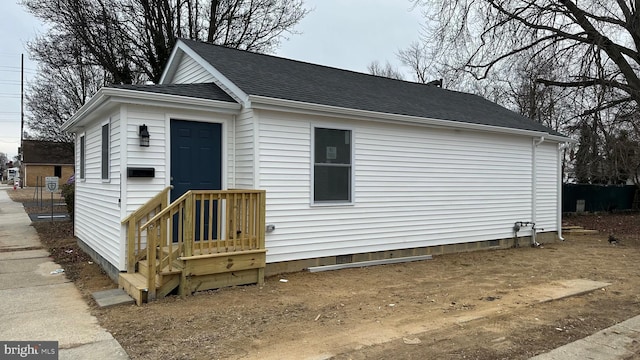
column 15, row 68
column 18, row 71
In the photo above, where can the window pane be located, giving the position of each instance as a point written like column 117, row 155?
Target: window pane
column 82, row 157
column 332, row 183
column 332, row 146
column 105, row 151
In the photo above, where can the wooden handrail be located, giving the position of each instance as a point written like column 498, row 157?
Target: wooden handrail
column 134, row 241
column 196, row 192
column 149, row 205
column 166, row 210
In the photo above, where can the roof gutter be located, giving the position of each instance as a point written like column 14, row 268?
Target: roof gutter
column 106, row 95
column 268, row 103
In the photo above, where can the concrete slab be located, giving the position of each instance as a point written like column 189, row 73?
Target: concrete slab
column 32, row 276
column 23, row 254
column 621, row 341
column 562, row 289
column 36, row 298
column 107, row 350
column 8, row 266
column 70, row 327
column 112, row 297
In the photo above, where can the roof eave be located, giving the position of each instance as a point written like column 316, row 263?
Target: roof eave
column 114, row 95
column 177, row 101
column 97, row 101
column 269, row 103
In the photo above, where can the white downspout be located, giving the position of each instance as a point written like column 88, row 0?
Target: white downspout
column 559, row 191
column 534, row 185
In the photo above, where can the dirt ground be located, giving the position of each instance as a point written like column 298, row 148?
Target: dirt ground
column 479, row 305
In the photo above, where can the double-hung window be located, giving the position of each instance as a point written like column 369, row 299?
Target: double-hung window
column 332, row 168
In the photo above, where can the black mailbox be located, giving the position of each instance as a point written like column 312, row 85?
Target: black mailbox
column 140, row 172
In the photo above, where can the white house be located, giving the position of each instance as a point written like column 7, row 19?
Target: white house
column 354, row 166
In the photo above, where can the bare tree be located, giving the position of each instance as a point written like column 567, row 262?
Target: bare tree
column 386, row 70
column 417, row 58
column 91, row 43
column 595, row 42
column 55, row 95
column 132, row 39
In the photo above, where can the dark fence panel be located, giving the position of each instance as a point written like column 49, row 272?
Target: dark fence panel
column 598, row 197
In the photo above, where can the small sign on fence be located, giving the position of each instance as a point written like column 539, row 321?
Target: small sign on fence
column 51, row 183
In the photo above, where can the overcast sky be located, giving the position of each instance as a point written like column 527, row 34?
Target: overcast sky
column 346, row 34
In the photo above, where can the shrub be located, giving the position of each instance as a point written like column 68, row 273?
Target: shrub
column 68, row 192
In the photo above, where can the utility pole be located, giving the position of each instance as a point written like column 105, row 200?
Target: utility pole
column 21, row 118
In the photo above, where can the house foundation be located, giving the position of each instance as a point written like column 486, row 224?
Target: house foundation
column 108, row 268
column 300, row 265
column 283, row 267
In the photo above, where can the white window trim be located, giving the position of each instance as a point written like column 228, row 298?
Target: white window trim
column 352, row 200
column 108, row 178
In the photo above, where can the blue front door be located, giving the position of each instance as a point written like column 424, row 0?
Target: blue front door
column 196, row 160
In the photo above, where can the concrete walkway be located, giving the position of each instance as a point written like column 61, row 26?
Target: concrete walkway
column 38, row 305
column 621, row 341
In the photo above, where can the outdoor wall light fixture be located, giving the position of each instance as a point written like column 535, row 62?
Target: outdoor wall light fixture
column 144, row 135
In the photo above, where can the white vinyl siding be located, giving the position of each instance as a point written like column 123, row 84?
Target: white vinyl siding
column 244, row 150
column 140, row 190
column 547, row 186
column 190, row 72
column 415, row 187
column 100, row 205
column 97, row 213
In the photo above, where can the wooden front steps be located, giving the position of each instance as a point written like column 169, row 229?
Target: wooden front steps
column 135, row 284
column 205, row 239
column 197, row 273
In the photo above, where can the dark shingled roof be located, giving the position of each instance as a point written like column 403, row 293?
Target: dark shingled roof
column 47, row 152
column 275, row 77
column 209, row 91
